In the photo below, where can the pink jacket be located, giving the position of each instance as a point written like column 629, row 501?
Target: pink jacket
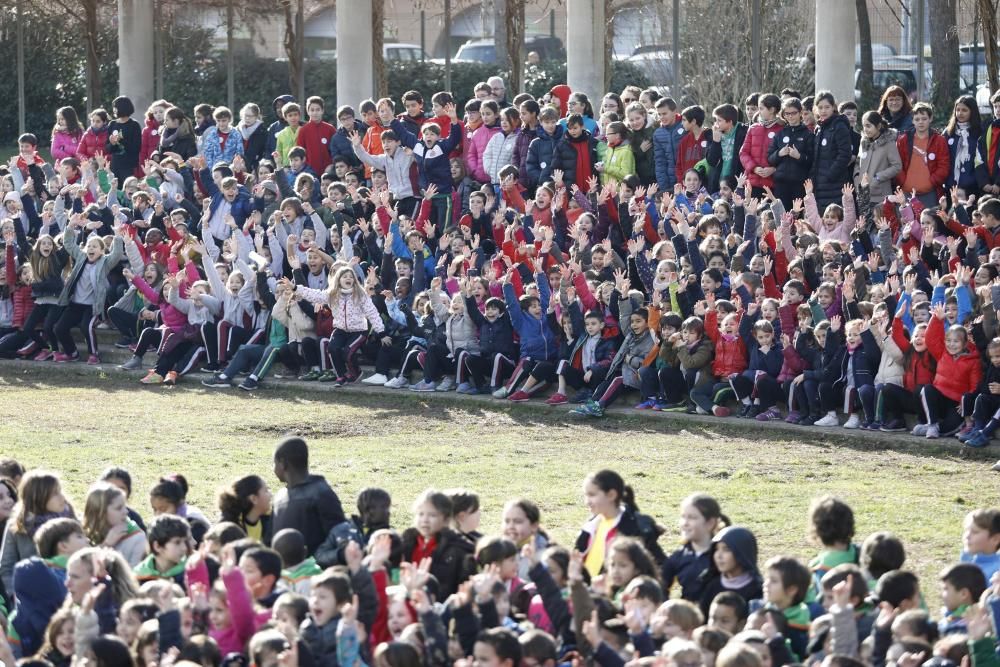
column 349, row 314
column 841, row 232
column 172, row 318
column 476, row 150
column 64, row 145
column 242, row 619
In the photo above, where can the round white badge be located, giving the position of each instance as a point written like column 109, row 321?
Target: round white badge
column 785, row 140
column 156, row 132
column 704, row 143
column 951, row 141
column 930, row 156
column 323, row 140
column 680, row 130
column 542, row 165
column 770, row 135
column 823, row 143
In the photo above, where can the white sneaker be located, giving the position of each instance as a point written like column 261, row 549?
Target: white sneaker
column 919, row 430
column 829, row 420
column 853, row 422
column 397, row 382
column 502, row 392
column 378, row 378
column 933, row 431
column 446, row 384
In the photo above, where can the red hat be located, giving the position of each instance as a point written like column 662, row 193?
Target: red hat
column 562, row 91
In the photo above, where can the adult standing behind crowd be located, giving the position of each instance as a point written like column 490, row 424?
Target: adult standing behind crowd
column 896, row 108
column 831, row 164
column 878, row 157
column 307, row 503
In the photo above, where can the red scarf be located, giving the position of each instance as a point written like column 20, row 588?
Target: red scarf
column 424, row 548
column 584, row 169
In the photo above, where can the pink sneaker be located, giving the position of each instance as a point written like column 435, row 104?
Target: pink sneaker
column 93, row 360
column 519, row 397
column 44, row 355
column 61, row 358
column 557, row 399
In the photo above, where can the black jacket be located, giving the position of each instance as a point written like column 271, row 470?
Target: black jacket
column 566, row 155
column 788, row 169
column 451, row 563
column 831, row 160
column 311, row 507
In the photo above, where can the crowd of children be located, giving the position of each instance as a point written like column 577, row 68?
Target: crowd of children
column 783, row 268
column 289, row 580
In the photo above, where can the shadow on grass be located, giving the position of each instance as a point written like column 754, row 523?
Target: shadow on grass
column 406, row 408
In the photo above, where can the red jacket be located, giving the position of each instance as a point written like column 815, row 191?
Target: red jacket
column 92, row 143
column 24, row 303
column 150, row 141
column 938, row 159
column 730, row 355
column 919, row 367
column 753, row 154
column 955, row 375
column 315, row 138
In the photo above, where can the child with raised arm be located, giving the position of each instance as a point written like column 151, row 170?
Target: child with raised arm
column 757, row 387
column 958, row 372
column 353, row 314
column 636, row 352
column 430, row 152
column 224, row 337
column 461, row 339
column 730, row 357
column 497, row 351
column 527, row 314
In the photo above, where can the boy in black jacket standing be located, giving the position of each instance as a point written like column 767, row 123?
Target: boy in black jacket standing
column 307, row 503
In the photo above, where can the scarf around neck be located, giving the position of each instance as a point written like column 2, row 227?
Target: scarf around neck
column 962, row 150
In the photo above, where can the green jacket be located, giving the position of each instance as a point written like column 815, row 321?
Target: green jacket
column 146, row 570
column 619, row 162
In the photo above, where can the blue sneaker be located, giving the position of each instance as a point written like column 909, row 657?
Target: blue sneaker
column 647, row 405
column 977, row 439
column 466, row 388
column 964, row 436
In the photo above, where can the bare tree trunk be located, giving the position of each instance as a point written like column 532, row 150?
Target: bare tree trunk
column 501, row 21
column 988, row 16
column 867, row 85
column 944, row 56
column 515, row 44
column 378, row 37
column 292, row 49
column 94, row 92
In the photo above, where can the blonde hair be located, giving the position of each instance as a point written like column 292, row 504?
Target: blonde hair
column 683, row 614
column 95, row 512
column 357, row 293
column 124, row 586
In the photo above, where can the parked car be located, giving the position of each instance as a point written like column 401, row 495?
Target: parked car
column 398, row 52
column 902, row 71
column 658, row 66
column 484, row 50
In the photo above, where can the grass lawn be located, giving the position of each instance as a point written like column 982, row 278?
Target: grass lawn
column 79, row 424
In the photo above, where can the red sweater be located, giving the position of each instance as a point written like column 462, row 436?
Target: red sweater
column 150, row 141
column 753, row 154
column 690, row 152
column 315, row 138
column 938, row 159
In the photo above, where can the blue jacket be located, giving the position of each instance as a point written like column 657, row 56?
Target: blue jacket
column 769, row 362
column 537, row 340
column 40, row 589
column 242, row 205
column 433, row 164
column 495, row 337
column 666, row 141
column 214, row 153
column 542, row 155
column 401, row 250
column 685, row 567
column 340, row 143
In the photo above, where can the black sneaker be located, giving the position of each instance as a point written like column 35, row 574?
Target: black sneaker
column 744, row 411
column 249, row 384
column 753, row 411
column 807, row 420
column 124, row 343
column 211, row 368
column 217, row 381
